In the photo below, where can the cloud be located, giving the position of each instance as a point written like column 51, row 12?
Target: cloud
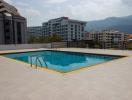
column 56, row 1
column 87, row 9
column 127, row 2
column 9, row 1
column 23, row 4
column 27, row 9
column 33, row 16
column 43, row 10
column 30, row 12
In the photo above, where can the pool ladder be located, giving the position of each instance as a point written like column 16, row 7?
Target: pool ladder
column 37, row 59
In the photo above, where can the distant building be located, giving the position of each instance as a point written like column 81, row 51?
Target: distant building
column 130, row 41
column 34, row 31
column 87, row 36
column 12, row 25
column 130, row 36
column 68, row 29
column 108, row 38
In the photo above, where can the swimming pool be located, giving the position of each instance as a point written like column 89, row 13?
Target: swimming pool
column 62, row 61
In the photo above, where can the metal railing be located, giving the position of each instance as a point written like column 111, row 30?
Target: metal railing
column 37, row 59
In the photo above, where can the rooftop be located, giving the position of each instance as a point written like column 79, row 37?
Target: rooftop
column 67, row 18
column 108, row 81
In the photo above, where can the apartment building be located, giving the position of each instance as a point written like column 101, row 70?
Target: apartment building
column 34, row 31
column 68, row 29
column 13, row 26
column 108, row 38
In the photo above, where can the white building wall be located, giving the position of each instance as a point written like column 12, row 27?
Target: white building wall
column 33, row 46
column 66, row 33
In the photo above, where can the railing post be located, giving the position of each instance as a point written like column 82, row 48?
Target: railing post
column 31, row 60
column 45, row 62
column 36, row 61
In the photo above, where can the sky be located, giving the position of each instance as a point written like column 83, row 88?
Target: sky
column 39, row 11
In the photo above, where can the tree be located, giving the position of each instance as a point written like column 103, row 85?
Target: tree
column 33, row 39
column 45, row 39
column 97, row 44
column 55, row 38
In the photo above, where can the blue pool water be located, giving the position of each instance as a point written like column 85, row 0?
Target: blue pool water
column 63, row 61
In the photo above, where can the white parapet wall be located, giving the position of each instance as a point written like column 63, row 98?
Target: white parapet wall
column 59, row 45
column 33, row 46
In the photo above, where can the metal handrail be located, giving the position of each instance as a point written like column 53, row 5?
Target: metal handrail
column 31, row 59
column 38, row 59
column 45, row 62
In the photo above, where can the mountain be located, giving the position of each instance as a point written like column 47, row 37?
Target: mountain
column 122, row 24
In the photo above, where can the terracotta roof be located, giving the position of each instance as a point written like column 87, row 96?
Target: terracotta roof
column 130, row 36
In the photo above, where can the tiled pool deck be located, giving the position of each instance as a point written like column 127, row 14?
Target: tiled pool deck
column 108, row 81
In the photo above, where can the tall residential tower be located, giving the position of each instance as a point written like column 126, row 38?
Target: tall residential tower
column 68, row 29
column 13, row 26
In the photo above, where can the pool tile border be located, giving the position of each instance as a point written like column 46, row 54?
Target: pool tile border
column 67, row 73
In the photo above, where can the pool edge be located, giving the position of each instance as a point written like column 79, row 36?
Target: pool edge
column 65, row 73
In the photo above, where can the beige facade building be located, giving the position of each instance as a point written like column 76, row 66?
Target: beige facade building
column 108, row 38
